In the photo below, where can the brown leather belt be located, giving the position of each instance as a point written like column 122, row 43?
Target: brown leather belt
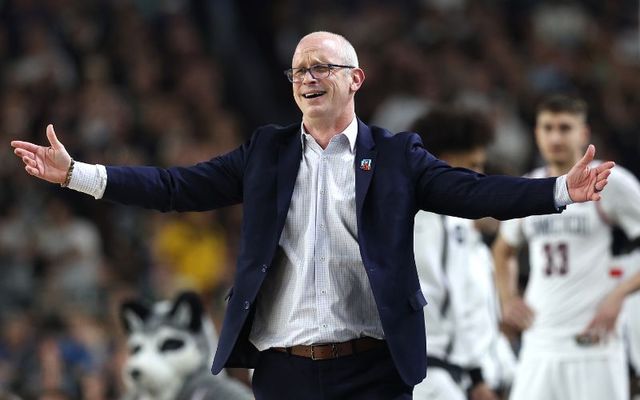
column 328, row 351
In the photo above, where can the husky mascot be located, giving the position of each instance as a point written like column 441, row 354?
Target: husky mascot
column 170, row 350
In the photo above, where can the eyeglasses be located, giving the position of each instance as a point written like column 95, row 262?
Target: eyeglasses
column 318, row 71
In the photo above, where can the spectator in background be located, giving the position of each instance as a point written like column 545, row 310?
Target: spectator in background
column 43, row 359
column 194, row 251
column 17, row 344
column 17, row 279
column 70, row 250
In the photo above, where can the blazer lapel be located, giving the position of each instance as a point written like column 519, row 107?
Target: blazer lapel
column 289, row 155
column 365, row 164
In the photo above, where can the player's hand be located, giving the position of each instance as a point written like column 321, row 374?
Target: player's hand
column 516, row 313
column 482, row 391
column 49, row 163
column 585, row 183
column 604, row 322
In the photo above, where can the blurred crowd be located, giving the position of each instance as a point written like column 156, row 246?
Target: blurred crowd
column 172, row 82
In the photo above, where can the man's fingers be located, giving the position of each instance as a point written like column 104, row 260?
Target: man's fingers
column 521, row 323
column 53, row 139
column 595, row 333
column 523, row 314
column 601, row 182
column 31, row 170
column 599, row 186
column 519, row 315
column 20, row 145
column 600, row 323
column 588, row 156
column 22, row 153
column 590, row 332
column 605, row 166
column 29, row 161
column 592, row 326
column 603, row 175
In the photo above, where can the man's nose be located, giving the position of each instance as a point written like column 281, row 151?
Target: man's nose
column 554, row 135
column 307, row 73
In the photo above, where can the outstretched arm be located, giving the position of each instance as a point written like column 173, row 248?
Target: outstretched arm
column 585, row 183
column 48, row 163
column 206, row 185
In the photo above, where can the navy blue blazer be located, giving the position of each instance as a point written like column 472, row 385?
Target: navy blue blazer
column 403, row 178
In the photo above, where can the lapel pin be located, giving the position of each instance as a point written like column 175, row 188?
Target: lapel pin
column 365, row 164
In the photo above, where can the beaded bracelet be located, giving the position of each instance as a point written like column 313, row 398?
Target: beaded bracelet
column 67, row 179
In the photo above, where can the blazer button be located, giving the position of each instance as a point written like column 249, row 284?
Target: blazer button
column 246, row 305
column 264, row 267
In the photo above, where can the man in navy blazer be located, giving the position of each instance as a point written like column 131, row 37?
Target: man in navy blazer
column 329, row 201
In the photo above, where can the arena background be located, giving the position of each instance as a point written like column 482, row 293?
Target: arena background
column 173, row 82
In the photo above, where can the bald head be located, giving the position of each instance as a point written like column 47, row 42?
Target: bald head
column 326, row 99
column 340, row 45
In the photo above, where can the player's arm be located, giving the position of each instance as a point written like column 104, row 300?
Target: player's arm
column 515, row 312
column 607, row 314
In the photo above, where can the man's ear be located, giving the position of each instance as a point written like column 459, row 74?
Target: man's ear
column 357, row 79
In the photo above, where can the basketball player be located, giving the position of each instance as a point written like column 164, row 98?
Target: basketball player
column 459, row 323
column 572, row 347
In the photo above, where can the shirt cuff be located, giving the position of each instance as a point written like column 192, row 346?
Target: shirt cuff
column 561, row 192
column 89, row 178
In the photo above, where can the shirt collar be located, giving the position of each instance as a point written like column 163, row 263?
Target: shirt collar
column 351, row 132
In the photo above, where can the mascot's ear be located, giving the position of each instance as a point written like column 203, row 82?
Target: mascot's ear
column 133, row 314
column 187, row 311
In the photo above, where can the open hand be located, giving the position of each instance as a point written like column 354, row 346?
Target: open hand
column 604, row 322
column 48, row 163
column 585, row 183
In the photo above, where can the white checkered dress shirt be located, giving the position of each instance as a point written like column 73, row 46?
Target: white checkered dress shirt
column 317, row 290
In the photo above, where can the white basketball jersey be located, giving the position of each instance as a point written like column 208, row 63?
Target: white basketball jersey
column 457, row 325
column 570, row 260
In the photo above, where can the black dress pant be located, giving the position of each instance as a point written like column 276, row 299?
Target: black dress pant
column 369, row 375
